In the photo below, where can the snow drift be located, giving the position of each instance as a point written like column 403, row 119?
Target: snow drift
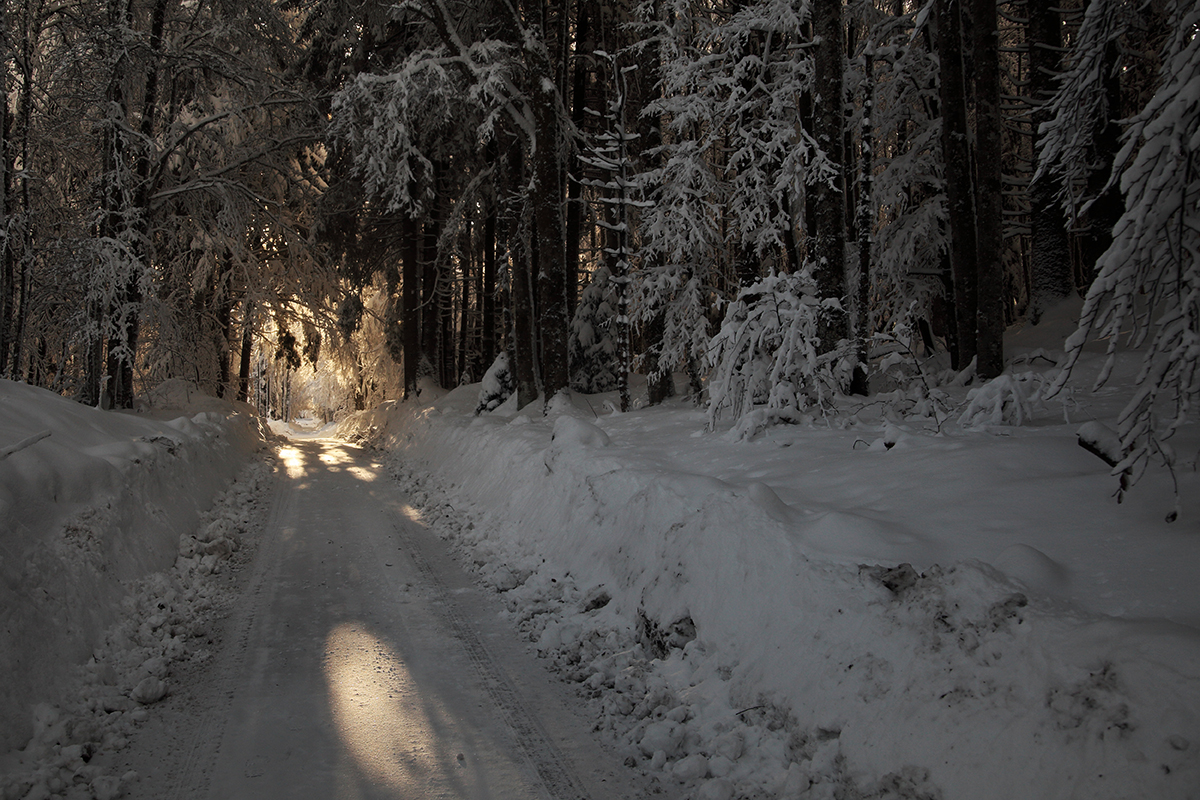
column 91, row 502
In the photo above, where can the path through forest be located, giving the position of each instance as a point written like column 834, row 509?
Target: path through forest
column 362, row 662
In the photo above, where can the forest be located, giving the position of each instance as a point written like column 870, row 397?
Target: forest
column 319, row 204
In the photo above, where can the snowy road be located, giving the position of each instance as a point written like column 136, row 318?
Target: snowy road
column 362, row 662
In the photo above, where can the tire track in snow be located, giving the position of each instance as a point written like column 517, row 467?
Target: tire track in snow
column 193, row 776
column 547, row 761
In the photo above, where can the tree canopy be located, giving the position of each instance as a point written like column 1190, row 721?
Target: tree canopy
column 322, row 204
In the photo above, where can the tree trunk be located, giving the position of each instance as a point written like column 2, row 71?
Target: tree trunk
column 411, row 303
column 989, row 209
column 574, row 222
column 859, row 382
column 523, row 348
column 247, row 350
column 1050, row 256
column 829, row 213
column 465, row 317
column 956, row 155
column 488, row 294
column 549, row 229
column 1108, row 206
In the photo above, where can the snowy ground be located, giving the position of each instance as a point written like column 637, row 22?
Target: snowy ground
column 738, row 612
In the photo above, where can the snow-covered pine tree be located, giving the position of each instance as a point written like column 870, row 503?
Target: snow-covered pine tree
column 1148, row 281
column 593, row 348
column 908, row 190
column 767, row 361
column 611, row 158
column 733, row 165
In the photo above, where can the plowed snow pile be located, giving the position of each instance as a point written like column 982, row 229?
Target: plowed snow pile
column 97, row 601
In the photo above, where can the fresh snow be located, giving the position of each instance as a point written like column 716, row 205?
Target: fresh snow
column 874, row 604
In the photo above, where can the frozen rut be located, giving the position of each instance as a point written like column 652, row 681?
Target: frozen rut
column 362, row 662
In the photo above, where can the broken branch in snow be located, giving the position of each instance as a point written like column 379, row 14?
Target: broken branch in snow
column 1101, row 441
column 21, row 445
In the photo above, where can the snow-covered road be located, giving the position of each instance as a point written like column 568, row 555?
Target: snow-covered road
column 362, row 662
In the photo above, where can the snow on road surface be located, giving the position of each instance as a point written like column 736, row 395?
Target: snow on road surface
column 361, row 662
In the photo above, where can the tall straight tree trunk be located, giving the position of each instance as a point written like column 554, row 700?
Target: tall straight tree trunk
column 430, row 277
column 523, row 347
column 1108, row 206
column 130, row 295
column 660, row 378
column 1050, row 254
column 7, row 275
column 410, row 288
column 445, row 298
column 488, row 292
column 247, row 349
column 465, row 317
column 829, row 212
column 956, row 154
column 860, row 383
column 549, row 230
column 574, row 222
column 989, row 208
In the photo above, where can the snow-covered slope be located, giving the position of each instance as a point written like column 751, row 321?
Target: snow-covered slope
column 89, row 502
column 747, row 617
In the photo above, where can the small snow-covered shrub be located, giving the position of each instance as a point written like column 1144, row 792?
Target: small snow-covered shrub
column 766, row 356
column 592, row 346
column 1007, row 399
column 498, row 384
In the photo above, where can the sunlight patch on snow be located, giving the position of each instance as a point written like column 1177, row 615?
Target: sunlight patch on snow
column 293, row 461
column 339, row 458
column 380, row 715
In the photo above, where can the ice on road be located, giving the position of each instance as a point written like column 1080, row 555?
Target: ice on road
column 362, row 662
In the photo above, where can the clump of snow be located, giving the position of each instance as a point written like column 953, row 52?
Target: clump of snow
column 163, row 625
column 92, row 501
column 498, row 384
column 958, row 612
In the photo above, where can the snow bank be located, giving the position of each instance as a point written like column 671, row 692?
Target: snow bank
column 743, row 645
column 93, row 501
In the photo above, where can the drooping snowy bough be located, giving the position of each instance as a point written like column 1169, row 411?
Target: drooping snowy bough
column 1148, row 282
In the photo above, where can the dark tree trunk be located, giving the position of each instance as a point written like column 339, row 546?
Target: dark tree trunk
column 864, row 222
column 466, row 318
column 1104, row 212
column 7, row 272
column 1050, row 255
column 574, row 222
column 488, row 293
column 829, row 212
column 989, row 209
column 224, row 356
column 446, row 338
column 429, row 363
column 959, row 196
column 247, row 349
column 411, row 303
column 549, row 230
column 523, row 349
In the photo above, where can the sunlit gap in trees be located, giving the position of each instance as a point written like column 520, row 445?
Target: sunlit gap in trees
column 394, row 732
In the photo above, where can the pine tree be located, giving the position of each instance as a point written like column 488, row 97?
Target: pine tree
column 1149, row 279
